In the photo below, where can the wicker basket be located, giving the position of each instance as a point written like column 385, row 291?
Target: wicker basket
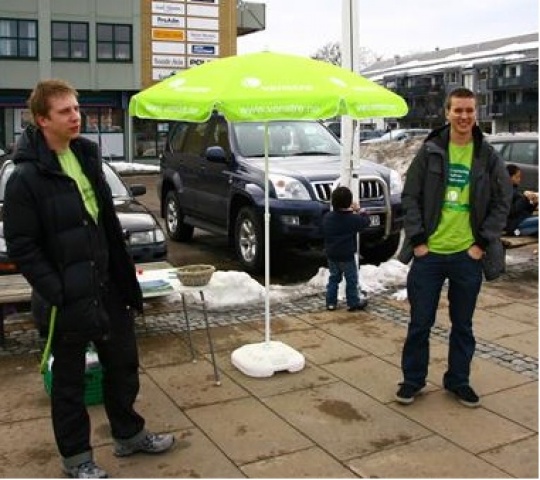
column 195, row 275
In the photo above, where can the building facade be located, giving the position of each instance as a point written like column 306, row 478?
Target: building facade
column 503, row 73
column 110, row 50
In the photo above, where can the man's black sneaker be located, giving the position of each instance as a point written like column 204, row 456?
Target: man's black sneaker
column 406, row 393
column 361, row 305
column 466, row 395
column 331, row 308
column 85, row 470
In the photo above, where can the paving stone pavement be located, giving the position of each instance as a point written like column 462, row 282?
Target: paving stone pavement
column 337, row 418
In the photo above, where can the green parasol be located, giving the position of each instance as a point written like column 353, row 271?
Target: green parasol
column 265, row 87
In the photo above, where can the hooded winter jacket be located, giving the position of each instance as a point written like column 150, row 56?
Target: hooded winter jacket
column 425, row 188
column 68, row 259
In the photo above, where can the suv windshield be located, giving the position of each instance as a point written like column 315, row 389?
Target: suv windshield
column 285, row 139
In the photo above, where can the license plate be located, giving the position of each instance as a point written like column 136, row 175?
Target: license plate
column 374, row 220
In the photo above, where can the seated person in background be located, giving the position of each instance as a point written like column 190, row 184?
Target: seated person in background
column 520, row 218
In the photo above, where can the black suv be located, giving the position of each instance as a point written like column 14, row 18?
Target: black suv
column 212, row 177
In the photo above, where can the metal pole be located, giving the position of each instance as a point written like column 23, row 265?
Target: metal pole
column 346, row 121
column 350, row 59
column 266, row 239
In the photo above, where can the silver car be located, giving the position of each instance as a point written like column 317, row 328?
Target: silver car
column 143, row 233
column 521, row 149
column 399, row 135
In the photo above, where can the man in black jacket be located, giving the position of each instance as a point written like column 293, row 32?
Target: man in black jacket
column 62, row 231
column 456, row 198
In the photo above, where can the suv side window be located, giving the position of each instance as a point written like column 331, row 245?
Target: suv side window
column 178, row 136
column 220, row 136
column 194, row 138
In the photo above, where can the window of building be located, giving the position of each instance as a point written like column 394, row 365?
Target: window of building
column 512, row 71
column 69, row 41
column 18, row 38
column 468, row 81
column 102, row 120
column 21, row 119
column 481, row 99
column 150, row 137
column 452, row 77
column 114, row 42
column 514, row 98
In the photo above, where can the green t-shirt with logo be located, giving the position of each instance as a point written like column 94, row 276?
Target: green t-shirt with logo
column 454, row 232
column 71, row 167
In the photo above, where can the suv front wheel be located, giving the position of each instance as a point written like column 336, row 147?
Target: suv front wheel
column 174, row 219
column 249, row 240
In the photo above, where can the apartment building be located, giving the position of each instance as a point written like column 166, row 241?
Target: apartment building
column 110, row 50
column 503, row 73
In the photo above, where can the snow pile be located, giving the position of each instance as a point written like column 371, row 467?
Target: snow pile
column 129, row 167
column 372, row 279
column 396, row 155
column 233, row 288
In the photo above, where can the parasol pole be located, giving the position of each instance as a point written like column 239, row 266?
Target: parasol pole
column 266, row 239
column 263, row 359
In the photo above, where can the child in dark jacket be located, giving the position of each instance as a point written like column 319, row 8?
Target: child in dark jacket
column 521, row 220
column 340, row 228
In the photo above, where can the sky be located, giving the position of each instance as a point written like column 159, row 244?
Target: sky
column 391, row 27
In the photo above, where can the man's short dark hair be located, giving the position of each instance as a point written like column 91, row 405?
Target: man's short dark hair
column 38, row 103
column 459, row 92
column 341, row 198
column 512, row 169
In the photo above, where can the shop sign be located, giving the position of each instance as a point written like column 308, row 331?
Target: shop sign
column 168, row 34
column 203, row 49
column 168, row 8
column 168, row 21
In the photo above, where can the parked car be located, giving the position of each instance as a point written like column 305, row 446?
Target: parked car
column 4, row 155
column 521, row 150
column 213, row 177
column 144, row 236
column 365, row 134
column 399, row 135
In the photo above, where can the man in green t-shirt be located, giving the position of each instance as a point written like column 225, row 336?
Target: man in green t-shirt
column 456, row 198
column 62, row 231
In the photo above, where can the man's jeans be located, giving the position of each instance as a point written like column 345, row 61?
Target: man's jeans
column 338, row 270
column 424, row 283
column 529, row 226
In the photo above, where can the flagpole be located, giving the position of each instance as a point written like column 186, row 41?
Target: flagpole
column 349, row 61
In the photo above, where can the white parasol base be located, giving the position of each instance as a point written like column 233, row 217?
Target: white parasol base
column 265, row 358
